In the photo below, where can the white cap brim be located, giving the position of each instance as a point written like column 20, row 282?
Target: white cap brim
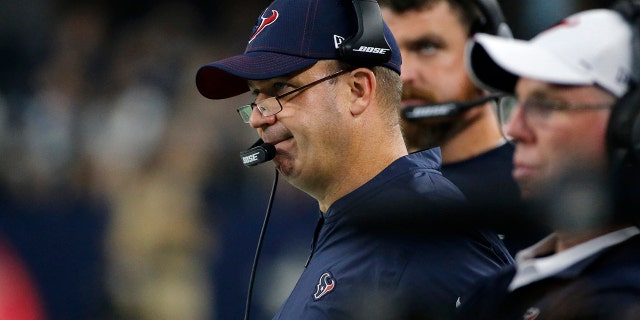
column 592, row 47
column 517, row 58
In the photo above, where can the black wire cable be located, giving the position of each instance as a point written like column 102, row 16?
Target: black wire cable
column 259, row 247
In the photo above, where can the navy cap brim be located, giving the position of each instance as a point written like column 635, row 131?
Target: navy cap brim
column 228, row 77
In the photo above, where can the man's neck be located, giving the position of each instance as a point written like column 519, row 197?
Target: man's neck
column 482, row 134
column 568, row 239
column 362, row 166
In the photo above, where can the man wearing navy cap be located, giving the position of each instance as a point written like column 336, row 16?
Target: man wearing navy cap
column 331, row 115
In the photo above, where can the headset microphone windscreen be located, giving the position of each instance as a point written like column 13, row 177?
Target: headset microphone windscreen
column 444, row 109
column 259, row 152
column 431, row 111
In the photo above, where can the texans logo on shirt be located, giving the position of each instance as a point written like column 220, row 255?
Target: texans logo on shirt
column 265, row 22
column 325, row 285
column 531, row 314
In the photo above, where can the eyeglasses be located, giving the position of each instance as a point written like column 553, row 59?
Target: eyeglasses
column 273, row 105
column 538, row 109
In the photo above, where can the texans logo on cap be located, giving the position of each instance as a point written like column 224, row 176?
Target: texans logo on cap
column 265, row 22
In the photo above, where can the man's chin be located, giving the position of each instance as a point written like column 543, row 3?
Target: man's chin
column 531, row 190
column 284, row 165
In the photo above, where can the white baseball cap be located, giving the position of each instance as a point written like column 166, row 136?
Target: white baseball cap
column 587, row 48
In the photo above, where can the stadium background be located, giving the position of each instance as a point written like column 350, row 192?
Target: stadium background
column 121, row 194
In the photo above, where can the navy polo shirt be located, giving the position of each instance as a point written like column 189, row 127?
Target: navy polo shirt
column 352, row 274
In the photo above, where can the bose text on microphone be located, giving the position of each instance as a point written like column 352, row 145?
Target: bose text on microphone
column 259, row 152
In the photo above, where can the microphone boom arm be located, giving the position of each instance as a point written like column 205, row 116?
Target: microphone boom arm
column 444, row 109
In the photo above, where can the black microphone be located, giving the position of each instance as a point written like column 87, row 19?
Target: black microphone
column 259, row 152
column 444, row 109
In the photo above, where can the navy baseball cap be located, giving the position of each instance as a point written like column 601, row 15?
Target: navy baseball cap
column 289, row 36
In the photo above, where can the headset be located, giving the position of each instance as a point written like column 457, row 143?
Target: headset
column 368, row 46
column 446, row 109
column 259, row 152
column 490, row 20
column 623, row 129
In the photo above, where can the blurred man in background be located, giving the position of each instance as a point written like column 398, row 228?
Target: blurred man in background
column 432, row 35
column 567, row 80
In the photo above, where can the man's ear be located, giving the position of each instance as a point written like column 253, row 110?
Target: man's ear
column 363, row 89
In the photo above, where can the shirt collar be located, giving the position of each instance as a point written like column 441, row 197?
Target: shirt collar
column 540, row 261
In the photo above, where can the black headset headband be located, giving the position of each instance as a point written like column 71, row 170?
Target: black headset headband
column 492, row 20
column 368, row 46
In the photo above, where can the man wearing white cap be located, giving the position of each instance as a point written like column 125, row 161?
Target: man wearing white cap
column 566, row 80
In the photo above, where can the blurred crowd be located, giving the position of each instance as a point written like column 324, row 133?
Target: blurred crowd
column 118, row 180
column 121, row 192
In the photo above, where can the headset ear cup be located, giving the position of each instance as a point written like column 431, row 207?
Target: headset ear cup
column 493, row 19
column 622, row 124
column 368, row 46
column 623, row 132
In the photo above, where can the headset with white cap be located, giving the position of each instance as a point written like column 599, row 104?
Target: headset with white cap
column 623, row 130
column 594, row 47
column 566, row 54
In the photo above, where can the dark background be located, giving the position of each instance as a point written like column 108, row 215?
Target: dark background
column 121, row 192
